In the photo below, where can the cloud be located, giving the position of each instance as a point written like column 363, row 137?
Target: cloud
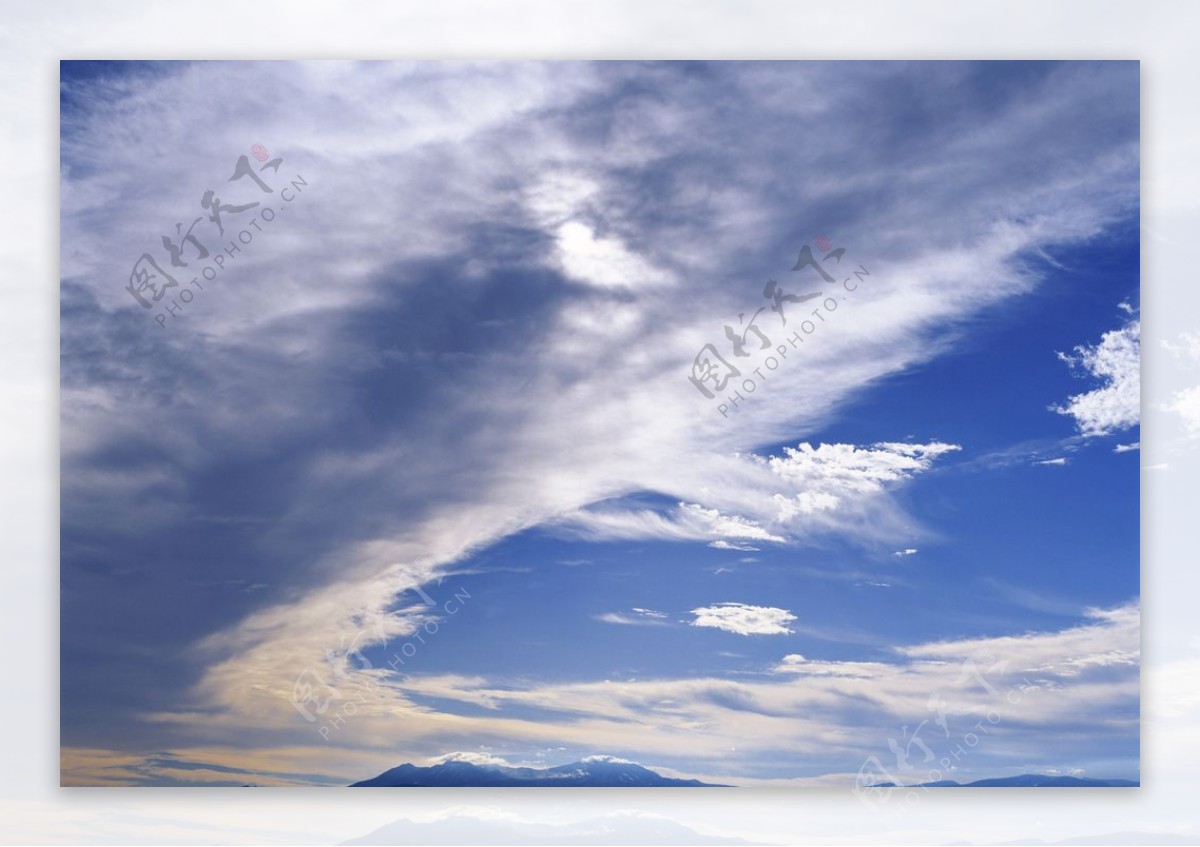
column 639, row 617
column 481, row 759
column 1111, row 636
column 830, row 474
column 846, row 468
column 1061, row 461
column 743, row 619
column 722, row 544
column 1116, row 362
column 1127, row 448
column 650, row 612
column 1186, row 404
column 1187, row 347
column 468, row 369
column 907, row 551
column 829, row 714
column 686, row 522
column 614, row 760
column 776, row 498
column 794, row 663
column 604, row 262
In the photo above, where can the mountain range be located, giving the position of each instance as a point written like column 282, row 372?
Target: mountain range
column 591, row 772
column 1025, row 780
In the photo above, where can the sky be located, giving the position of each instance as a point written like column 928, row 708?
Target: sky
column 408, row 465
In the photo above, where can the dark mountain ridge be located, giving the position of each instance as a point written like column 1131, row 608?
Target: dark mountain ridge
column 592, row 772
column 1025, row 780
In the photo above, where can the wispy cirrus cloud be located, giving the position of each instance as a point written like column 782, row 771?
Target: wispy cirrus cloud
column 635, row 617
column 722, row 544
column 797, row 706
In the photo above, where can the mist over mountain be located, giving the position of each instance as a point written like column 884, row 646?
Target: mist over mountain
column 616, row 828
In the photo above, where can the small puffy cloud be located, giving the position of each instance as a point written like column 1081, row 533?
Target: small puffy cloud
column 743, row 619
column 907, row 551
column 1127, row 448
column 1115, row 362
column 847, row 468
column 1058, row 462
column 830, row 473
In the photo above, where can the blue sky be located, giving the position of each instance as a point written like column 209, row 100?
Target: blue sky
column 453, row 368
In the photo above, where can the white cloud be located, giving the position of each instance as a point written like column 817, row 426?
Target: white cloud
column 483, row 759
column 721, row 544
column 686, row 522
column 1188, row 346
column 907, row 551
column 639, row 617
column 604, row 262
column 774, row 498
column 1186, row 404
column 650, row 612
column 829, row 474
column 743, row 619
column 1110, row 637
column 845, row 468
column 1060, row 461
column 794, row 663
column 602, row 757
column 1127, row 448
column 1115, row 361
